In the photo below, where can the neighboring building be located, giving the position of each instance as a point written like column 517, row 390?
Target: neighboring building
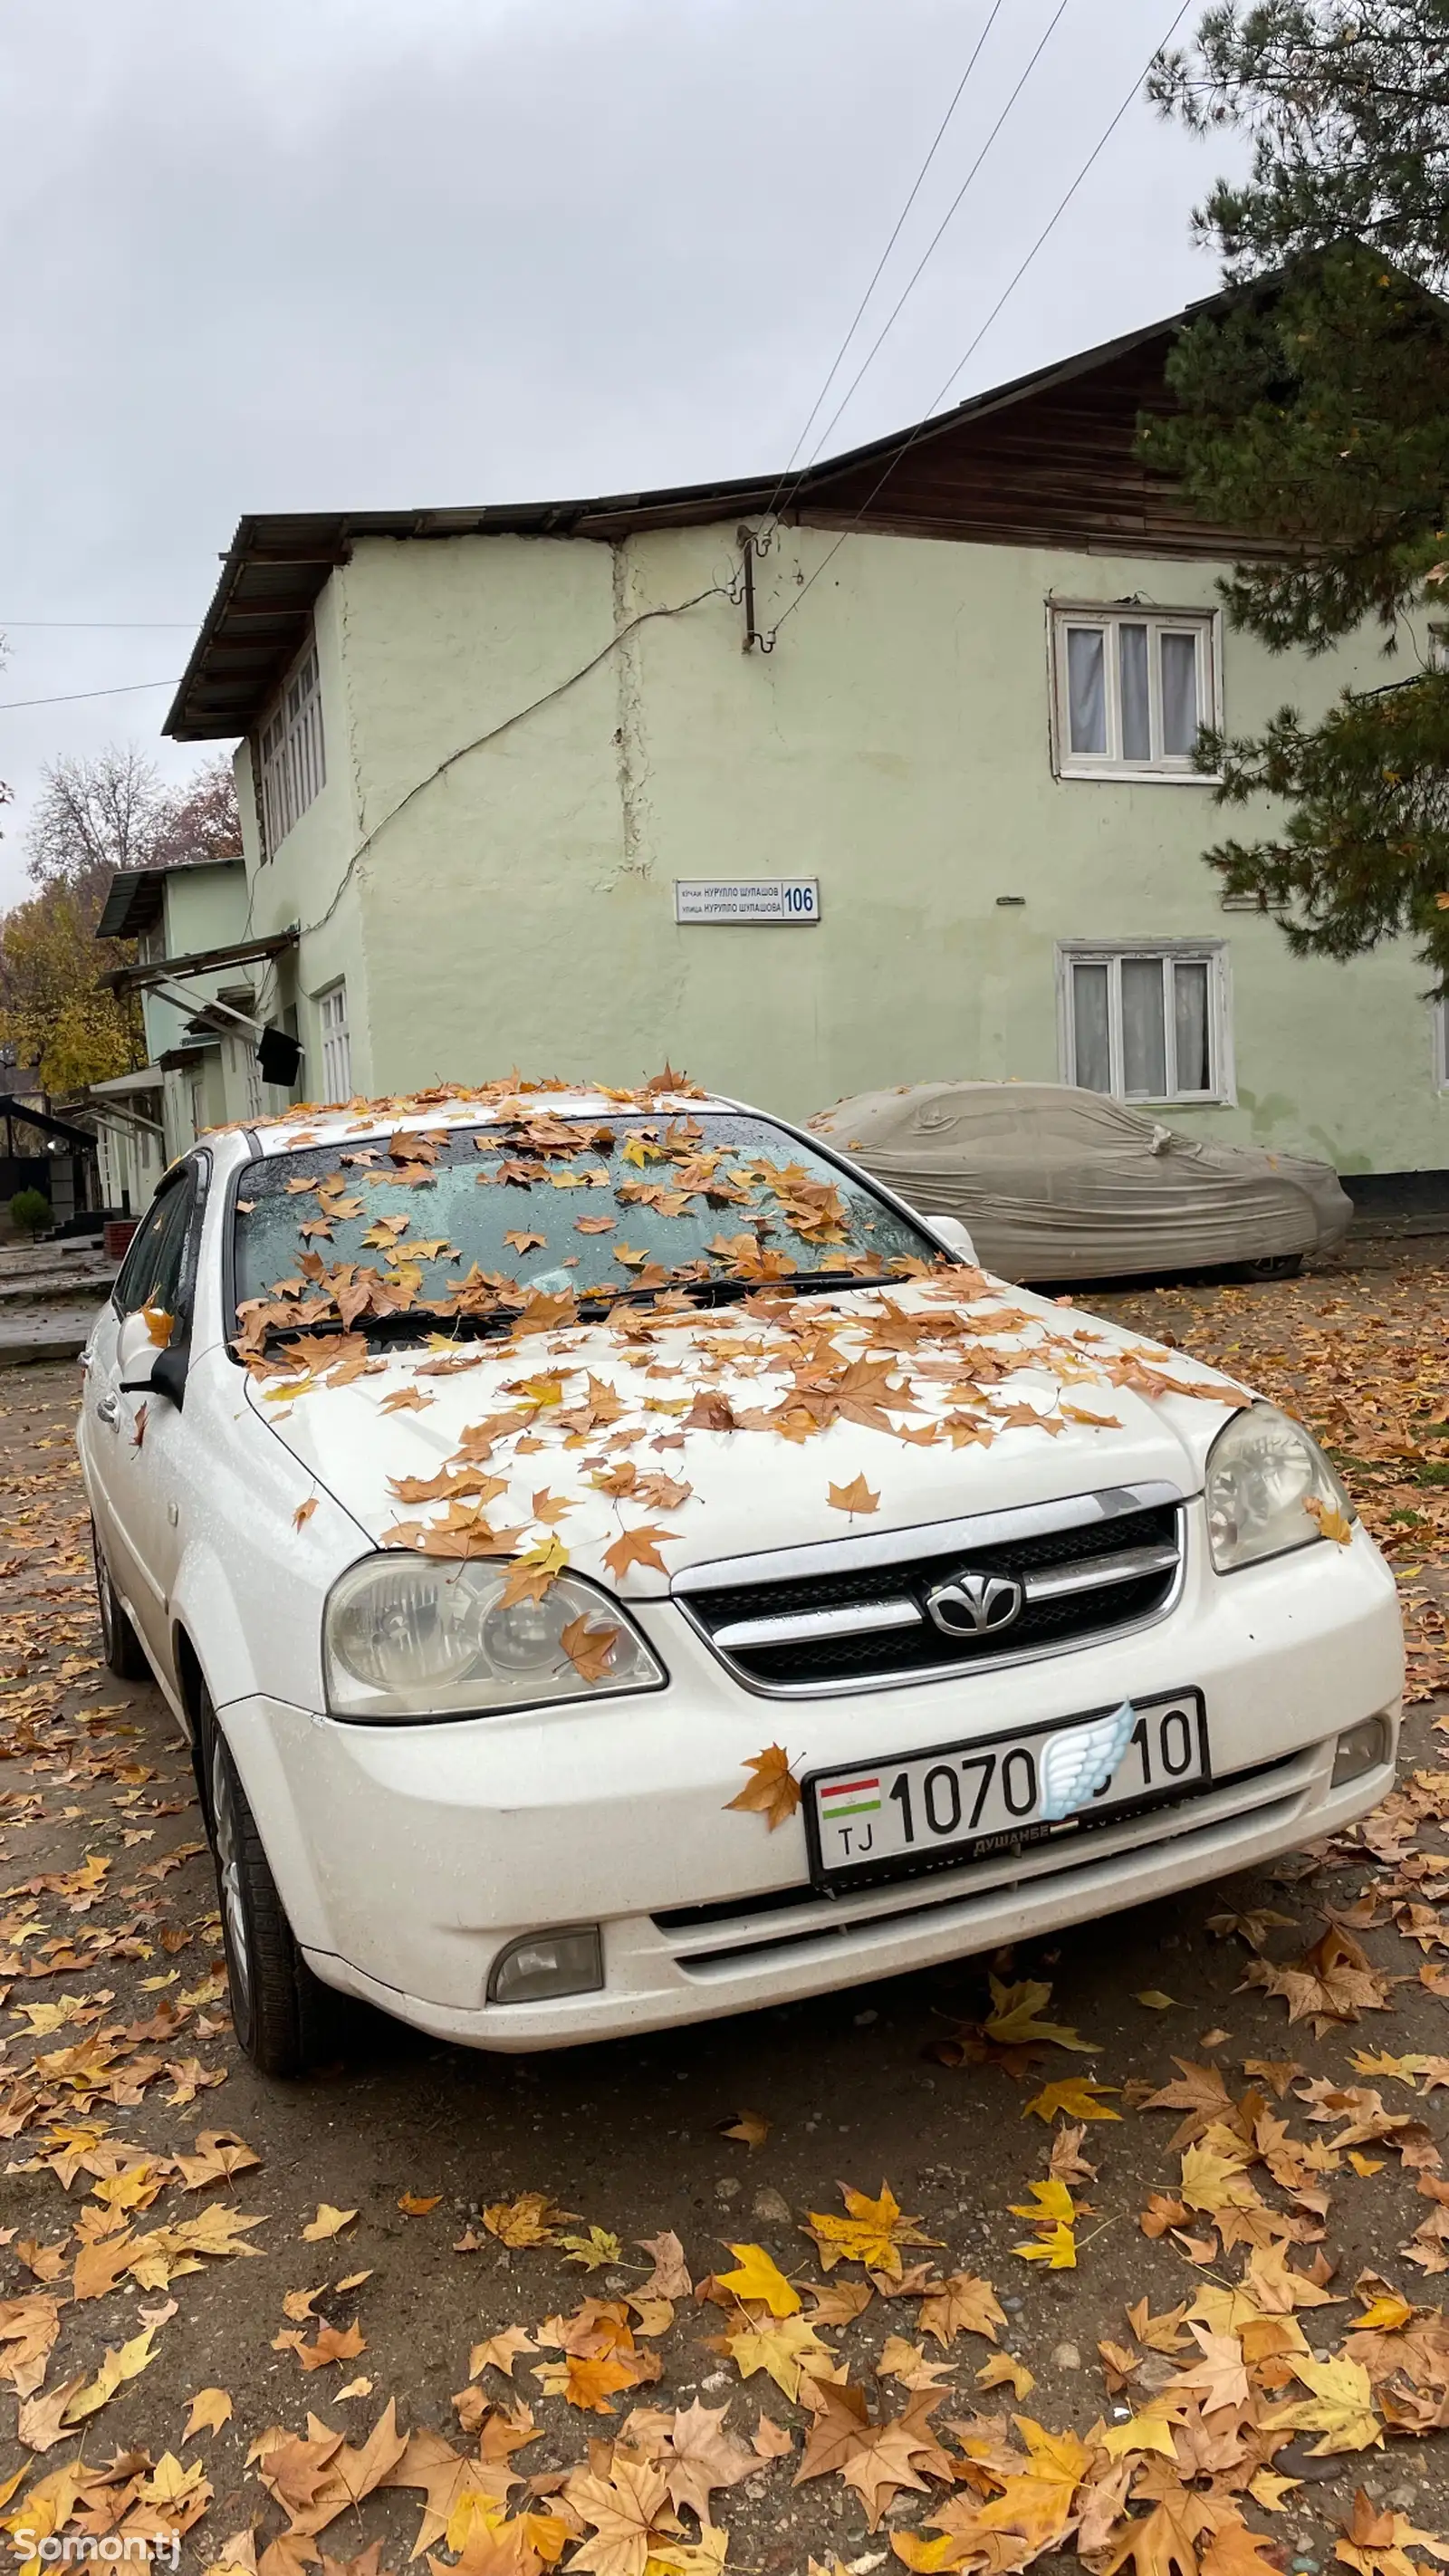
column 959, row 685
column 189, row 925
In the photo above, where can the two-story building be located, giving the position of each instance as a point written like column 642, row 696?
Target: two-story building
column 516, row 784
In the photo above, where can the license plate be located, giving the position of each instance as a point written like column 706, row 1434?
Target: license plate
column 1002, row 1792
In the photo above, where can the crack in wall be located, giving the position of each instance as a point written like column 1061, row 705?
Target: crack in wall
column 632, row 758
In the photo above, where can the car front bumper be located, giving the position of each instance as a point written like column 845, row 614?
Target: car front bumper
column 409, row 1858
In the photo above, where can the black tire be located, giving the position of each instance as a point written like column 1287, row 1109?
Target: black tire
column 121, row 1648
column 1277, row 1265
column 287, row 2022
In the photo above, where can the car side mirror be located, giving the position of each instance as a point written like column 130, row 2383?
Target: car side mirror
column 145, row 1369
column 950, row 1231
column 168, row 1378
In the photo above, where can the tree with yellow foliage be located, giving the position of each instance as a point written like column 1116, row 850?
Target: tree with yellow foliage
column 92, row 818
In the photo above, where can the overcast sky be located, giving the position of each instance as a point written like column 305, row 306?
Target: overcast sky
column 359, row 253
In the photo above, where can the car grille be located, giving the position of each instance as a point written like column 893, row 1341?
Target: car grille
column 851, row 1625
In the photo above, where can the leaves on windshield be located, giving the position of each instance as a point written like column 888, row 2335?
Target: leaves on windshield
column 933, row 1358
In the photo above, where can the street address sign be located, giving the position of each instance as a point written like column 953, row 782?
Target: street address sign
column 788, row 902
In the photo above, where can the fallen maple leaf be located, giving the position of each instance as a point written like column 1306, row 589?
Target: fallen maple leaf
column 328, row 2222
column 670, row 2277
column 531, row 2219
column 872, row 2232
column 877, row 2459
column 774, row 1792
column 760, row 2277
column 1341, row 2407
column 417, row 2204
column 303, row 1512
column 701, row 2457
column 501, row 2351
column 854, row 1497
column 1080, row 2096
column 788, row 2351
column 1334, row 1981
column 590, row 1650
column 640, row 1547
column 961, row 2305
column 210, row 2409
column 748, row 2126
column 599, row 2247
column 621, row 2511
column 1014, row 2019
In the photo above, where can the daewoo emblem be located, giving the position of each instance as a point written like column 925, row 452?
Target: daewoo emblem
column 974, row 1605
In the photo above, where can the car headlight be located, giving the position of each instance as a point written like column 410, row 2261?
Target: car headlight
column 407, row 1636
column 1268, row 1484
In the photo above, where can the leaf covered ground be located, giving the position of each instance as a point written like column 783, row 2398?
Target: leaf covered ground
column 1127, row 2247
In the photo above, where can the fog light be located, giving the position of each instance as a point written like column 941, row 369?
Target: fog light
column 548, row 1963
column 1361, row 1748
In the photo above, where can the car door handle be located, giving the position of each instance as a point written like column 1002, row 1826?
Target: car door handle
column 108, row 1409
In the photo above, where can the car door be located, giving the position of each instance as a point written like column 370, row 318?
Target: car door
column 124, row 1458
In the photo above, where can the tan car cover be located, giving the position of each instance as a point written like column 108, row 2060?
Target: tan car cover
column 1059, row 1184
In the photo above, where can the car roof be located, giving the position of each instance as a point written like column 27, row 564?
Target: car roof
column 492, row 1104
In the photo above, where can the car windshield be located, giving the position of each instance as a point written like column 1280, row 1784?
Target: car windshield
column 487, row 1223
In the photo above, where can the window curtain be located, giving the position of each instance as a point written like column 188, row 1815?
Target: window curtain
column 1190, row 1028
column 1091, row 1048
column 1144, row 1029
column 1136, row 713
column 1179, row 695
column 1086, row 688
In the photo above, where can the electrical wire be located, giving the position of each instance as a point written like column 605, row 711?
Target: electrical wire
column 716, row 590
column 928, row 253
column 908, row 442
column 919, row 182
column 131, row 689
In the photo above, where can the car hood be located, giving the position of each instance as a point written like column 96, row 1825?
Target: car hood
column 865, row 1411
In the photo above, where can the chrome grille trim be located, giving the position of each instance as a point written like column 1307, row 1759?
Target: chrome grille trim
column 811, row 1625
column 788, row 1631
column 927, row 1538
column 1126, row 1568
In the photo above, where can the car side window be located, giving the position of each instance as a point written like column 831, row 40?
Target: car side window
column 152, row 1272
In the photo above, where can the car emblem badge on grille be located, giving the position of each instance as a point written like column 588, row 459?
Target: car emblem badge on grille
column 974, row 1605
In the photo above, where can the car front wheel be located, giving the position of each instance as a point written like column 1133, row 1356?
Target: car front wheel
column 286, row 2020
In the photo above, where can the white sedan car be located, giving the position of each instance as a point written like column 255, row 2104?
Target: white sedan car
column 616, row 1565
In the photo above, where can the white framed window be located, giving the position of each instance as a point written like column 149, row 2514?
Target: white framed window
column 1132, row 689
column 1147, row 1020
column 292, row 754
column 336, row 1044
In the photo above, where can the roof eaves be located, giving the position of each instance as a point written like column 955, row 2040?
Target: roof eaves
column 212, row 701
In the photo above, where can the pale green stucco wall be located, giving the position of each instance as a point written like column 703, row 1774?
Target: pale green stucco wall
column 895, row 743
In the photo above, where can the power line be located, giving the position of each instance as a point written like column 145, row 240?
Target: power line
column 130, row 689
column 928, row 253
column 899, row 454
column 645, row 617
column 917, row 185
